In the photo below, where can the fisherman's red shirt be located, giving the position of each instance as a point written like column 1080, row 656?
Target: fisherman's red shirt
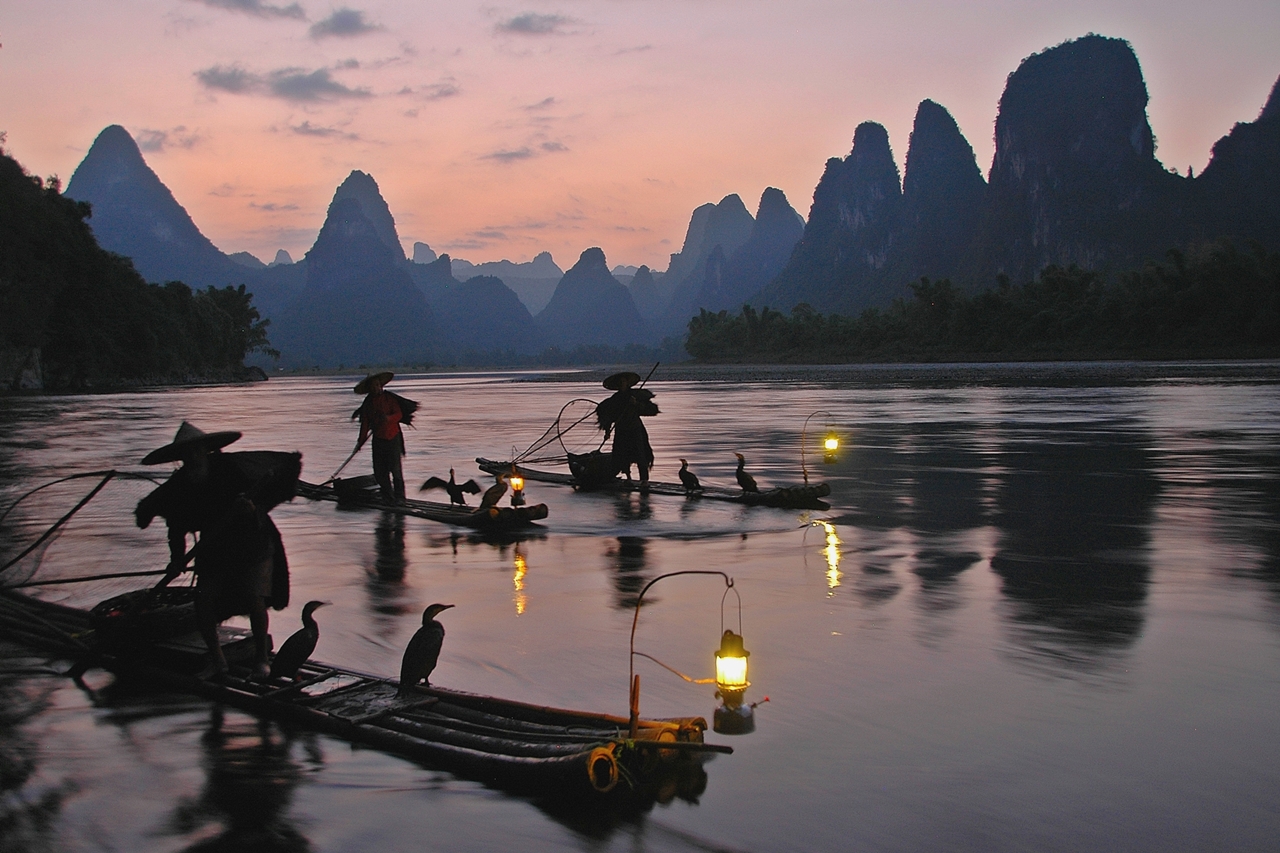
column 380, row 414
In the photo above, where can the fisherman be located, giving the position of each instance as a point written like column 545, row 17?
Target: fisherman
column 381, row 415
column 620, row 415
column 225, row 498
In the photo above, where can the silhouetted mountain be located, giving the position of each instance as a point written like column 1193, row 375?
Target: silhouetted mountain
column 282, row 259
column 477, row 317
column 591, row 307
column 135, row 215
column 853, row 224
column 245, row 259
column 1075, row 179
column 423, row 254
column 942, row 193
column 363, row 188
column 644, row 292
column 774, row 234
column 1240, row 188
column 533, row 282
column 359, row 305
column 728, row 225
column 75, row 316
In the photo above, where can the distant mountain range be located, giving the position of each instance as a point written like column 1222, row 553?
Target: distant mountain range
column 1074, row 181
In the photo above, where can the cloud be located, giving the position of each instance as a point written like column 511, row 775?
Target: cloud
column 158, row 140
column 309, row 129
column 229, row 78
column 489, row 235
column 544, row 104
column 446, row 88
column 343, row 23
column 533, row 24
column 523, row 153
column 272, row 207
column 258, row 9
column 291, row 84
column 553, row 146
column 297, row 84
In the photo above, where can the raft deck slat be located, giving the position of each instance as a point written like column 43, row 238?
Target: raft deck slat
column 784, row 497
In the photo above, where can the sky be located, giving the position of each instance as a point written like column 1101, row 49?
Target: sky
column 499, row 130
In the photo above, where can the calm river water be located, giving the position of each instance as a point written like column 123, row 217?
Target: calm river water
column 1042, row 613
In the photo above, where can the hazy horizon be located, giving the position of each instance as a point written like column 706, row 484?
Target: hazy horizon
column 497, row 132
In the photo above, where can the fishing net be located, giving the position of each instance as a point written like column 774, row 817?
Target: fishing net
column 574, row 431
column 74, row 539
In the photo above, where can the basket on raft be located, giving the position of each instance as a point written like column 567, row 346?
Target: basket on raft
column 147, row 614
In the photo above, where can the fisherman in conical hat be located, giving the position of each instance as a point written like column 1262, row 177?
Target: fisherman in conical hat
column 620, row 416
column 381, row 415
column 225, row 498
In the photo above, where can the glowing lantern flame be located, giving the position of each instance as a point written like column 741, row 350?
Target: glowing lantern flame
column 731, row 664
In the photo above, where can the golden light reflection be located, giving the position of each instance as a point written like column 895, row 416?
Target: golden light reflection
column 832, row 553
column 518, row 582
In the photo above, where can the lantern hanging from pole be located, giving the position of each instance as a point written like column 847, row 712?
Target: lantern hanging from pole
column 732, row 717
column 830, row 446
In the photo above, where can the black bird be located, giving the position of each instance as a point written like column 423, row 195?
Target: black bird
column 456, row 490
column 689, row 478
column 295, row 650
column 423, row 651
column 494, row 493
column 745, row 480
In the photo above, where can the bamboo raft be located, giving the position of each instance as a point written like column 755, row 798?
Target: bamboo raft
column 544, row 752
column 363, row 492
column 784, row 497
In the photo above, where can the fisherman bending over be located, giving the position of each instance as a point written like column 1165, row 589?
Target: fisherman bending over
column 381, row 414
column 620, row 415
column 240, row 564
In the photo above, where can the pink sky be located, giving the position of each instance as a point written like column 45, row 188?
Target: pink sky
column 498, row 131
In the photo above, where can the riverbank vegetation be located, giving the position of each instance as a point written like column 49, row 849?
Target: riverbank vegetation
column 1212, row 301
column 90, row 316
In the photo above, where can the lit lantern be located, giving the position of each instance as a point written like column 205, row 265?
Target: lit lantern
column 830, row 445
column 517, row 490
column 733, row 717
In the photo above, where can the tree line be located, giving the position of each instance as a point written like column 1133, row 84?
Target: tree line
column 94, row 320
column 1216, row 300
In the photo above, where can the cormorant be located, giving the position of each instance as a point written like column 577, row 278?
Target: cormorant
column 745, row 480
column 295, row 650
column 689, row 478
column 456, row 490
column 494, row 493
column 423, row 651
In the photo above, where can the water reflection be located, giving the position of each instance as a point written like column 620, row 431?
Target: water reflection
column 385, row 580
column 29, row 806
column 1073, row 518
column 630, row 564
column 249, row 785
column 517, row 581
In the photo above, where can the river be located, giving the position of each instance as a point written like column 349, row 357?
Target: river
column 1042, row 612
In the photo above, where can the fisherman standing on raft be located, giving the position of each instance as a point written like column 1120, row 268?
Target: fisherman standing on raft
column 225, row 498
column 620, row 415
column 381, row 414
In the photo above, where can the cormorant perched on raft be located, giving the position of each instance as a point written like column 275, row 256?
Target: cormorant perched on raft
column 298, row 648
column 423, row 651
column 745, row 480
column 688, row 478
column 456, row 490
column 494, row 493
